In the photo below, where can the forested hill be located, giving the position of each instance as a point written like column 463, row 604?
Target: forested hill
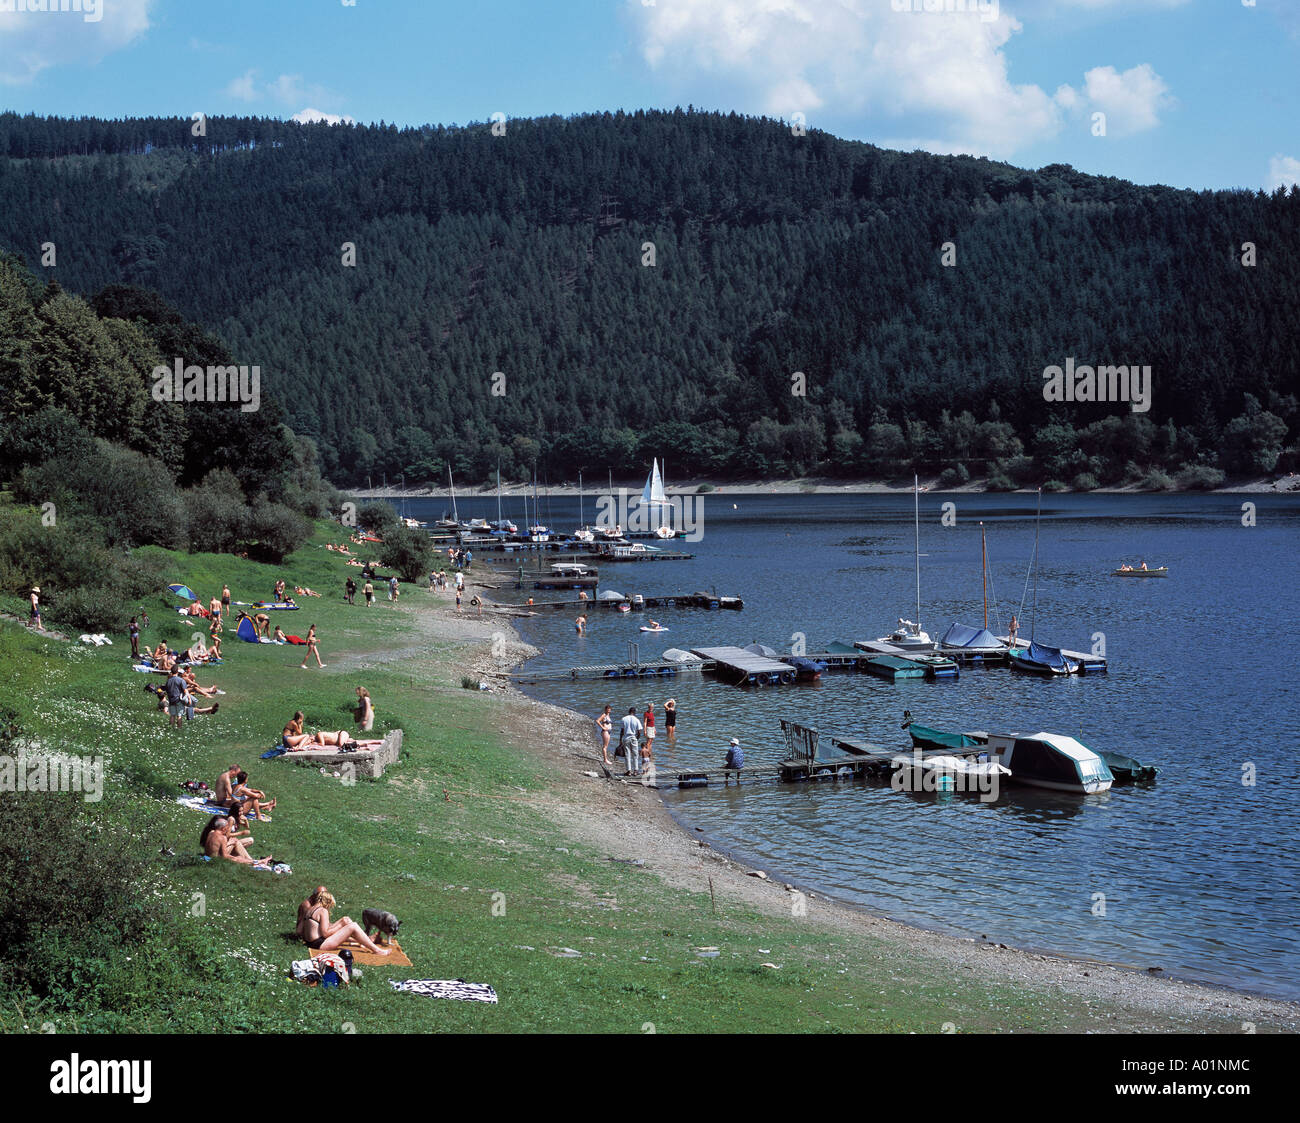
column 525, row 254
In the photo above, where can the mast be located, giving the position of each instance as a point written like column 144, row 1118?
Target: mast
column 916, row 501
column 1037, row 519
column 452, row 488
column 984, row 573
column 498, row 495
column 581, row 524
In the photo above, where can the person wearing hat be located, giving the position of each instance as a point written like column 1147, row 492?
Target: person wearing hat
column 34, row 620
column 735, row 756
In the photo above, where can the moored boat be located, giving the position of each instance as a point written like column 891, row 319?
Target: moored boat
column 1140, row 571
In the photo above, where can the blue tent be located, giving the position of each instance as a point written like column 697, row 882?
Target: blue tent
column 183, row 591
column 976, row 639
column 247, row 631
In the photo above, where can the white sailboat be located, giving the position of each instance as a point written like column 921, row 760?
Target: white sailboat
column 655, row 501
column 584, row 533
column 909, row 633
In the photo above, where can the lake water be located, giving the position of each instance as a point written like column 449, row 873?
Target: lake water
column 1200, row 873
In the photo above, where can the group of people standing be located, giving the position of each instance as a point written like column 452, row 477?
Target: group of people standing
column 636, row 736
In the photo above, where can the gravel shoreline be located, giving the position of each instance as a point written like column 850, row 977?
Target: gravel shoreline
column 629, row 821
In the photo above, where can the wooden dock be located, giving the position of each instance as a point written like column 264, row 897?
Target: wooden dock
column 744, row 668
column 654, row 668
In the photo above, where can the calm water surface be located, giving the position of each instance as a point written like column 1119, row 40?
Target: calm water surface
column 1200, row 872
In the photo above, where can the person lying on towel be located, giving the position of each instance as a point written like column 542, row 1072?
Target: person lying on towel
column 342, row 739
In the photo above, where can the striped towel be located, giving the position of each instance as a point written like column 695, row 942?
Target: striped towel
column 458, row 989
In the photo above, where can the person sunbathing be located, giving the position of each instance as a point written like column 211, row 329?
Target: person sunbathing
column 342, row 738
column 303, row 591
column 262, row 622
column 207, row 691
column 252, row 797
column 279, row 635
column 320, row 933
column 214, row 650
column 293, row 737
column 215, row 842
column 238, row 828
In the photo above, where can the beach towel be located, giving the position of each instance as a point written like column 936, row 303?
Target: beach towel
column 395, row 958
column 198, row 803
column 458, row 989
column 279, row 750
column 272, row 606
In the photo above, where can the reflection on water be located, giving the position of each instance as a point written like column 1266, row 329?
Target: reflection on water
column 1198, row 872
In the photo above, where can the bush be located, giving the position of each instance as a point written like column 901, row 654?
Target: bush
column 1156, row 480
column 999, row 481
column 704, row 489
column 83, row 583
column 1200, row 477
column 1085, row 481
column 408, row 551
column 216, row 513
column 377, row 517
column 953, row 477
column 1054, row 485
column 276, row 530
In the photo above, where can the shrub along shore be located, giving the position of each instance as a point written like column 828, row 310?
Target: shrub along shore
column 486, row 840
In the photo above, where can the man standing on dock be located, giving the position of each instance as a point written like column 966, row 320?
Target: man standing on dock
column 630, row 738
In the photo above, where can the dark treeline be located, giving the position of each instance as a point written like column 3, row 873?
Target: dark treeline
column 773, row 254
column 84, row 439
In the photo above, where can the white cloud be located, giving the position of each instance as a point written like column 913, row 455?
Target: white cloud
column 314, row 116
column 1283, row 171
column 34, row 40
column 243, row 88
column 853, row 56
column 287, row 89
column 1131, row 101
column 938, row 74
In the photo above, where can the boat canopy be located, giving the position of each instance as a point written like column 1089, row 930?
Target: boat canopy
column 1047, row 656
column 962, row 635
column 763, row 650
column 923, row 737
column 609, row 594
column 835, row 647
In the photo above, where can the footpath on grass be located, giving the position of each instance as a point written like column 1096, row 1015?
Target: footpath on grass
column 578, row 899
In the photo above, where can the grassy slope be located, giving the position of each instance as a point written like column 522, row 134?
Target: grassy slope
column 399, row 843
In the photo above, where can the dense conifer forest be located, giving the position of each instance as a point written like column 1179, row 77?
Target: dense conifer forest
column 585, row 293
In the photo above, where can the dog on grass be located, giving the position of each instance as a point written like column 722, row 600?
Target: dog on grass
column 385, row 923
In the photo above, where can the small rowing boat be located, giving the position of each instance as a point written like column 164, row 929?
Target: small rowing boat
column 1141, row 571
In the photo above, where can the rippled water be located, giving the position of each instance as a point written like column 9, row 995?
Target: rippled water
column 1199, row 872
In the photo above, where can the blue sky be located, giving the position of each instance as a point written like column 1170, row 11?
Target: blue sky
column 1194, row 93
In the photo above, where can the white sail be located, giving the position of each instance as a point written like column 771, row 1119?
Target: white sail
column 653, row 492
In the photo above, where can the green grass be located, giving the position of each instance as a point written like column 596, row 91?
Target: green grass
column 440, row 863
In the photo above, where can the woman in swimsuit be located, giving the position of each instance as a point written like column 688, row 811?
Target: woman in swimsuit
column 605, row 723
column 365, row 709
column 254, row 796
column 293, row 737
column 343, row 737
column 670, row 719
column 311, row 648
column 321, row 934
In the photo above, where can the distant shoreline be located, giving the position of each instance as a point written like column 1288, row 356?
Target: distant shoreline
column 1284, row 485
